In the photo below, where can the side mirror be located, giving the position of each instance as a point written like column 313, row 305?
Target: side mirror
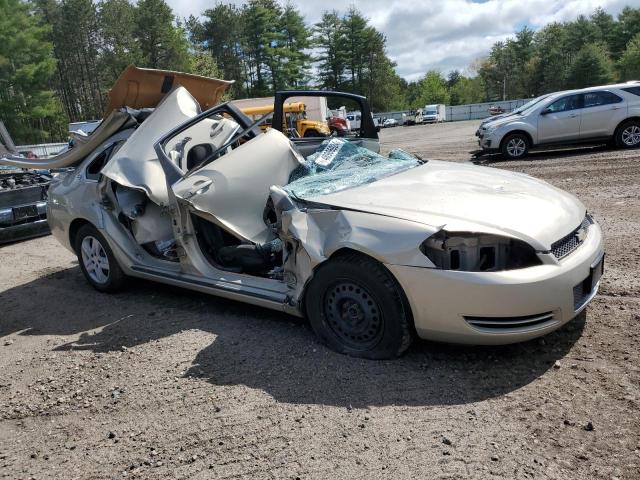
column 546, row 111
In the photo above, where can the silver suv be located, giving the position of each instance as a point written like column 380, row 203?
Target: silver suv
column 609, row 113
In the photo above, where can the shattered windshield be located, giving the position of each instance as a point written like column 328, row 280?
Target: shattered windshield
column 339, row 164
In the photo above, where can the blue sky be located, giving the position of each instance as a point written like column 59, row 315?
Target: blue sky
column 441, row 34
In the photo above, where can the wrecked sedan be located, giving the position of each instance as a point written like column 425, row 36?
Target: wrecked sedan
column 372, row 249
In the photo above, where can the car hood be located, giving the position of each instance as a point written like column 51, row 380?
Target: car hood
column 474, row 198
column 507, row 118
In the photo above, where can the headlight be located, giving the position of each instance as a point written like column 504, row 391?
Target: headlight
column 491, row 128
column 478, row 252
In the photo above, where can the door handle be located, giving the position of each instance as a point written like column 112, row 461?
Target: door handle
column 573, row 115
column 199, row 186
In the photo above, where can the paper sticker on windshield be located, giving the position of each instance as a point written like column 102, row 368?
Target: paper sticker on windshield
column 329, row 153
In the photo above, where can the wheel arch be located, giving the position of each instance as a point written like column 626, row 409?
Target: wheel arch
column 74, row 227
column 621, row 123
column 349, row 251
column 520, row 131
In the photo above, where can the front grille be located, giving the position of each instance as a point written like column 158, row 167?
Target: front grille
column 496, row 324
column 570, row 242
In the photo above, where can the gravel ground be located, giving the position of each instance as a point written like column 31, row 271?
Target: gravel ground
column 159, row 382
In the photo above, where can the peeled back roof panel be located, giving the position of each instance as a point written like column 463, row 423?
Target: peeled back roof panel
column 146, row 87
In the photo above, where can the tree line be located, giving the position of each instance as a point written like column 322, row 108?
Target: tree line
column 58, row 58
column 589, row 51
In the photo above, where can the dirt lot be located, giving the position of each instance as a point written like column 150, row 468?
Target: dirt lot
column 163, row 383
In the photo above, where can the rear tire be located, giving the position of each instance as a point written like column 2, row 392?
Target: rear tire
column 97, row 261
column 515, row 146
column 628, row 134
column 364, row 316
column 312, row 133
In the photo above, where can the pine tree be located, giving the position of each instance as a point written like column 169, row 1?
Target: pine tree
column 119, row 45
column 295, row 41
column 27, row 105
column 331, row 62
column 221, row 34
column 591, row 67
column 162, row 44
column 629, row 64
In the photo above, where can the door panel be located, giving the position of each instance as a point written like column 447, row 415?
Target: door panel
column 560, row 121
column 234, row 188
column 559, row 127
column 602, row 112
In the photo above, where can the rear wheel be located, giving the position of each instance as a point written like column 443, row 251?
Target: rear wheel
column 628, row 135
column 359, row 315
column 97, row 261
column 515, row 146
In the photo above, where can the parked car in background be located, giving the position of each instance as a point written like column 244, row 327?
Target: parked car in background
column 390, row 122
column 28, row 154
column 338, row 126
column 23, row 203
column 23, row 195
column 496, row 110
column 434, row 113
column 609, row 113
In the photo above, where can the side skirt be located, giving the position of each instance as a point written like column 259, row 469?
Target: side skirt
column 221, row 288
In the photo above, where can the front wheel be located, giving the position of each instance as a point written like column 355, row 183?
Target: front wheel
column 97, row 261
column 515, row 146
column 628, row 135
column 359, row 315
column 313, row 133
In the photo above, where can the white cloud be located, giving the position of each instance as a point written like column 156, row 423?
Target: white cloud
column 442, row 34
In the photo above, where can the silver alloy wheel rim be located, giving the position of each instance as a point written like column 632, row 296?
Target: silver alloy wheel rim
column 631, row 135
column 95, row 259
column 516, row 147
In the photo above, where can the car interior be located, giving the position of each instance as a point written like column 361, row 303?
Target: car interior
column 221, row 177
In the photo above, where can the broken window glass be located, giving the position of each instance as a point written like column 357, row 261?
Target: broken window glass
column 339, row 164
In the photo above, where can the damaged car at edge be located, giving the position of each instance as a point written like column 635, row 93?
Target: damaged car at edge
column 372, row 250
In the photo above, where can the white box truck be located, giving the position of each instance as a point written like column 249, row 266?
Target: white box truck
column 434, row 114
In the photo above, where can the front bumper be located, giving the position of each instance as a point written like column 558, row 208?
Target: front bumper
column 487, row 141
column 22, row 222
column 490, row 308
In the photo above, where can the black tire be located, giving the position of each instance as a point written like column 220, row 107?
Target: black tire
column 312, row 133
column 360, row 315
column 114, row 277
column 515, row 146
column 628, row 134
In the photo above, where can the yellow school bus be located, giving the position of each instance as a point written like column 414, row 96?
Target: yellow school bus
column 295, row 118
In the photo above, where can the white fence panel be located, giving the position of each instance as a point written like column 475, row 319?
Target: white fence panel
column 43, row 149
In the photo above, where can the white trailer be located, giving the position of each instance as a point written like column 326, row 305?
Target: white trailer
column 434, row 113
